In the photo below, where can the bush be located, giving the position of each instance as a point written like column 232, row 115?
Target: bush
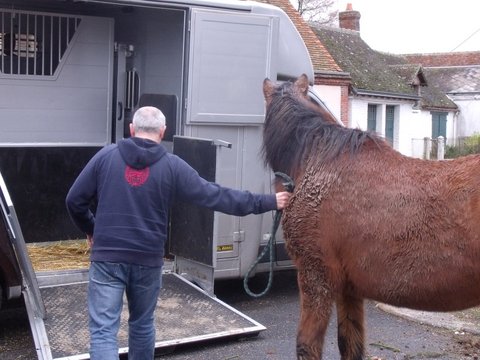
column 466, row 146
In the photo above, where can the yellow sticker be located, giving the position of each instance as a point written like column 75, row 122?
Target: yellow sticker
column 225, row 248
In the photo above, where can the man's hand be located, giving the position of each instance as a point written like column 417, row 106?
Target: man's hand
column 282, row 199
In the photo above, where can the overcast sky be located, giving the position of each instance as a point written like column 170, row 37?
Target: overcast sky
column 418, row 26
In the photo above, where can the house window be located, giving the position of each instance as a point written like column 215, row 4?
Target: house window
column 439, row 124
column 34, row 43
column 372, row 118
column 389, row 123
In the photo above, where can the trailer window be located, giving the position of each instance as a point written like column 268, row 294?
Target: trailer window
column 34, row 43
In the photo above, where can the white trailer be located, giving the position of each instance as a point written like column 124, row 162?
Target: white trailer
column 71, row 75
column 73, row 72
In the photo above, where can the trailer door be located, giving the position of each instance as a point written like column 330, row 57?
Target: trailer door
column 193, row 230
column 230, row 56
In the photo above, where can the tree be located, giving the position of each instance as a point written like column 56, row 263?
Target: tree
column 318, row 12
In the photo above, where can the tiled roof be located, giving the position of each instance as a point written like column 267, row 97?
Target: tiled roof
column 434, row 98
column 457, row 79
column 368, row 68
column 321, row 59
column 445, row 59
column 412, row 73
column 374, row 71
column 451, row 72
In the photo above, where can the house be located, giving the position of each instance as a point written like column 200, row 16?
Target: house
column 458, row 76
column 388, row 94
column 409, row 99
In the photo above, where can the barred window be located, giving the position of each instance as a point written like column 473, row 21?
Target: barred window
column 34, row 43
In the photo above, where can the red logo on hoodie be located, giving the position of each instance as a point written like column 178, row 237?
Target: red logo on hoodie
column 136, row 177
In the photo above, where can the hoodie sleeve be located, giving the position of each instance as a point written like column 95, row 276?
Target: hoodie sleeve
column 80, row 196
column 191, row 187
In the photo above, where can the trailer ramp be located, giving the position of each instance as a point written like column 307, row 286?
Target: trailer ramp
column 184, row 314
column 56, row 305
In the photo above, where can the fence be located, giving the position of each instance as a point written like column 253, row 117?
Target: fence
column 439, row 149
column 428, row 148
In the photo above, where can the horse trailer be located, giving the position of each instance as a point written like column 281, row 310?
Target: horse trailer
column 73, row 72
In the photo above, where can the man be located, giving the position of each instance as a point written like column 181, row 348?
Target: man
column 134, row 183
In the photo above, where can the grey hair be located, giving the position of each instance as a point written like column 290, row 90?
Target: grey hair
column 148, row 119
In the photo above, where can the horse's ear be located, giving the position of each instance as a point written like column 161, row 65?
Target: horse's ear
column 301, row 84
column 268, row 89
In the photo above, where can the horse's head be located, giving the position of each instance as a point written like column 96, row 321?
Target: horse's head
column 295, row 126
column 298, row 89
column 284, row 103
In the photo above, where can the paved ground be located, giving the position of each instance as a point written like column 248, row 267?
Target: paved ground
column 390, row 335
column 461, row 321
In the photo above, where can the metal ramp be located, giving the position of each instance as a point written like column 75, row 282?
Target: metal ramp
column 56, row 304
column 184, row 314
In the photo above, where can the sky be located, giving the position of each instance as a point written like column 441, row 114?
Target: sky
column 418, row 26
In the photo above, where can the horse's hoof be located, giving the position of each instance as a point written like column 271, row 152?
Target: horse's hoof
column 305, row 354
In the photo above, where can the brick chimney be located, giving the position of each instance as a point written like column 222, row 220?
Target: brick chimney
column 349, row 19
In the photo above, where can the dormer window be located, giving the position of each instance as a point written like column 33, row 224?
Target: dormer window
column 419, row 81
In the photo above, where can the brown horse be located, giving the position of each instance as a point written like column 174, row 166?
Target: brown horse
column 366, row 222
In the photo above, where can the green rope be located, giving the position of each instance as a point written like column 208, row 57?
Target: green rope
column 289, row 186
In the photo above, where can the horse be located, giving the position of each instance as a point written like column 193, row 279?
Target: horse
column 366, row 222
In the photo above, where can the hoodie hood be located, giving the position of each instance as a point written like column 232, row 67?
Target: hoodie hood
column 139, row 153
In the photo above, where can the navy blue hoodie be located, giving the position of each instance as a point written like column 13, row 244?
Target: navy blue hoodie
column 134, row 184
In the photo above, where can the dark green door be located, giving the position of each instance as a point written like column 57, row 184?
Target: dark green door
column 389, row 123
column 372, row 118
column 439, row 124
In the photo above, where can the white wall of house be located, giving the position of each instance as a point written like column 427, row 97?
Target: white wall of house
column 417, row 125
column 452, row 127
column 331, row 96
column 358, row 113
column 468, row 121
column 410, row 126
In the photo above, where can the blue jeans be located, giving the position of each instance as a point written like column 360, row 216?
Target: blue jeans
column 107, row 284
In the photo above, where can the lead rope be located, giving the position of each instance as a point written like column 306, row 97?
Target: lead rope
column 289, row 186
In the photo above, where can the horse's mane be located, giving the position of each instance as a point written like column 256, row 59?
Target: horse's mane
column 295, row 128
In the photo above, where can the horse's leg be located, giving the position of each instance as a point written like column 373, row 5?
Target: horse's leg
column 316, row 301
column 350, row 327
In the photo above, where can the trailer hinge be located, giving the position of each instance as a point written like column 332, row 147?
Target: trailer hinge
column 218, row 142
column 239, row 236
